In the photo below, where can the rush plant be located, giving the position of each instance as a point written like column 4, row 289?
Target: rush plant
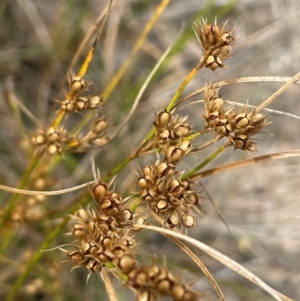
column 109, row 215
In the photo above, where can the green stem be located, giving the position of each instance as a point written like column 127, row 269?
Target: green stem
column 117, row 169
column 34, row 259
column 203, row 163
column 14, row 199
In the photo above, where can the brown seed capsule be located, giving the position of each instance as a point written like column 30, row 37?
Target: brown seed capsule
column 174, row 154
column 224, row 127
column 107, row 242
column 78, row 84
column 173, row 220
column 166, row 134
column 182, row 130
column 176, row 188
column 164, row 287
column 223, row 52
column 165, row 169
column 193, row 199
column 188, row 220
column 99, row 190
column 99, row 142
column 79, row 230
column 99, row 125
column 212, row 33
column 94, row 102
column 90, row 248
column 149, row 194
column 161, row 206
column 162, row 118
column 125, row 215
column 213, row 62
column 53, row 134
column 215, row 104
column 126, row 263
column 186, row 146
column 81, row 103
column 241, row 120
column 53, row 149
column 76, row 256
column 68, row 106
column 106, row 256
column 38, row 139
column 226, row 38
column 144, row 181
column 93, row 266
column 82, row 215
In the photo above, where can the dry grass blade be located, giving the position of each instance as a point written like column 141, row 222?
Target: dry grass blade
column 221, row 258
column 201, row 265
column 242, row 80
column 109, row 286
column 142, row 90
column 278, row 92
column 242, row 163
column 55, row 192
column 98, row 26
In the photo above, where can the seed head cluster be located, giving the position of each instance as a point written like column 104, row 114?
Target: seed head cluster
column 238, row 127
column 169, row 129
column 216, row 43
column 167, row 196
column 105, row 236
column 56, row 138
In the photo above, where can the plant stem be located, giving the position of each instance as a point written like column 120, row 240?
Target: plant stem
column 204, row 163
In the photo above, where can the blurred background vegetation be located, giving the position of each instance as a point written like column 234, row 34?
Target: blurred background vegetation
column 38, row 40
